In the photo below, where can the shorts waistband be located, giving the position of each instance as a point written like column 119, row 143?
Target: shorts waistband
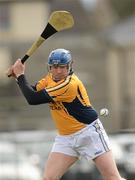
column 82, row 130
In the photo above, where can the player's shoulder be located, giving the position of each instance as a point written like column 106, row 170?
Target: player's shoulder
column 75, row 79
column 45, row 78
column 42, row 83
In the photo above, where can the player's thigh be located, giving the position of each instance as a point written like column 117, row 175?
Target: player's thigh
column 57, row 164
column 106, row 165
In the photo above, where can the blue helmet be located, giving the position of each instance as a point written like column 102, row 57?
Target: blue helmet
column 59, row 57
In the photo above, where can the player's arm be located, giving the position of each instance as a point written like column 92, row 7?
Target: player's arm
column 32, row 96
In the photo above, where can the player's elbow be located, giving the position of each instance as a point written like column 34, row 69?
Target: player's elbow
column 31, row 102
column 35, row 98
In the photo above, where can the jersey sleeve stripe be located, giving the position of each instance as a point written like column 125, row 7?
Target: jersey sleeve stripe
column 79, row 92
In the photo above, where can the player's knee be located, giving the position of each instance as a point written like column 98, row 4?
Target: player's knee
column 49, row 177
column 113, row 177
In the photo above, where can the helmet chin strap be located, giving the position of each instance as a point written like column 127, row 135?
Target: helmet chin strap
column 70, row 70
column 48, row 68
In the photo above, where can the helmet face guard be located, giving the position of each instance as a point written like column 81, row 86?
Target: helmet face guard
column 60, row 57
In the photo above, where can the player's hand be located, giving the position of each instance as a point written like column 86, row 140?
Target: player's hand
column 10, row 72
column 18, row 68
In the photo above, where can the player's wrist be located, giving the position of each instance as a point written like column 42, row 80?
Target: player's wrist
column 18, row 75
